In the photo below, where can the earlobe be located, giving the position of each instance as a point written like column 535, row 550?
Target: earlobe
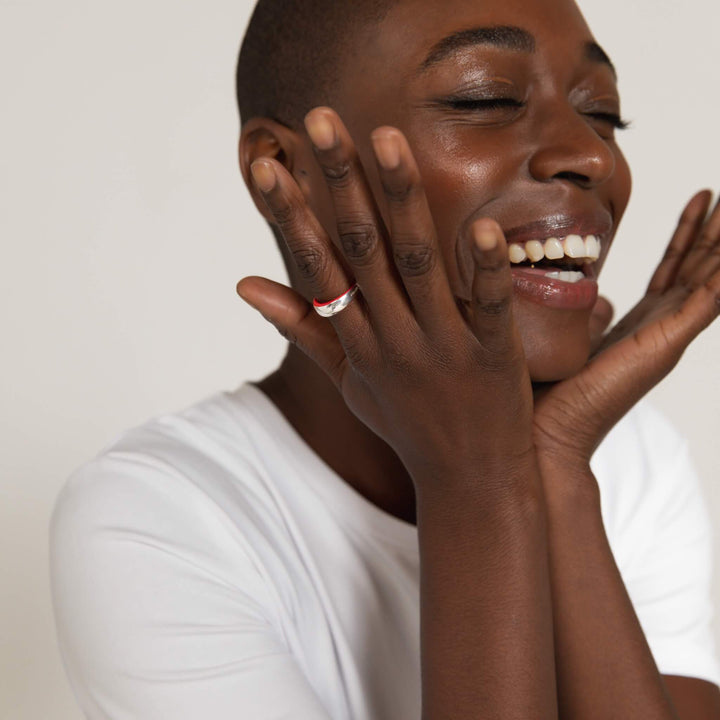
column 265, row 138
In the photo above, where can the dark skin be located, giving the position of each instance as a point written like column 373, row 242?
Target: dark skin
column 373, row 396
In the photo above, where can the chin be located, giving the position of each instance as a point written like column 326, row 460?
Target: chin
column 556, row 342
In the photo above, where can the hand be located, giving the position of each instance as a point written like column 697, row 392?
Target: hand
column 683, row 298
column 441, row 386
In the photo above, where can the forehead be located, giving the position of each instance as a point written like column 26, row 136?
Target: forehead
column 414, row 23
column 394, row 52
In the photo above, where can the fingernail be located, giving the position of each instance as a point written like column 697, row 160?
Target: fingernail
column 264, row 175
column 387, row 150
column 320, row 130
column 485, row 236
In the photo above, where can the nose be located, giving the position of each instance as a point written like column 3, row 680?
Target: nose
column 571, row 150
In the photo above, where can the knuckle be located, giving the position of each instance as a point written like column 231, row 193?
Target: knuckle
column 358, row 240
column 414, row 259
column 338, row 174
column 285, row 215
column 492, row 307
column 401, row 192
column 493, row 264
column 401, row 366
column 444, row 356
column 705, row 242
column 310, row 261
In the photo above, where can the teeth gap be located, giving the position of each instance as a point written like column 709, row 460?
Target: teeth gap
column 562, row 264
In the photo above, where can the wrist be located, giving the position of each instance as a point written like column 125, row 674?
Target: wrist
column 490, row 481
column 568, row 481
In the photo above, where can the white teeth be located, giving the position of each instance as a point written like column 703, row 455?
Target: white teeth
column 574, row 246
column 570, row 276
column 592, row 247
column 554, row 249
column 516, row 253
column 535, row 250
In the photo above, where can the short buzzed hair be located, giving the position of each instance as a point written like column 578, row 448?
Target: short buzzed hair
column 292, row 52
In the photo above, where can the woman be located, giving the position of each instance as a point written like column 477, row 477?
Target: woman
column 457, row 199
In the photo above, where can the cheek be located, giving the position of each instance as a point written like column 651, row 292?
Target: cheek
column 461, row 178
column 621, row 185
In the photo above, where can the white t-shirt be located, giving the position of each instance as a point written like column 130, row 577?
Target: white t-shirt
column 209, row 565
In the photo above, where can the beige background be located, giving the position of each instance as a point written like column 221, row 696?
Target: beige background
column 125, row 226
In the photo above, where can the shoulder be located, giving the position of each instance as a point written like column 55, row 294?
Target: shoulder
column 189, row 482
column 652, row 500
column 179, row 455
column 644, row 440
column 168, row 592
column 643, row 457
column 660, row 532
column 648, row 485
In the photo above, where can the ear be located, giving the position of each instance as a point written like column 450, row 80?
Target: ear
column 263, row 137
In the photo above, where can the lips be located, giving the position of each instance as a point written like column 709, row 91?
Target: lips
column 535, row 285
column 567, row 282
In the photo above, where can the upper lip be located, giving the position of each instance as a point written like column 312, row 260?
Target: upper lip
column 599, row 224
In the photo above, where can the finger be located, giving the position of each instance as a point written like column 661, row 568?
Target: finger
column 600, row 319
column 658, row 346
column 640, row 361
column 297, row 322
column 309, row 245
column 700, row 309
column 414, row 243
column 492, row 291
column 686, row 232
column 360, row 228
column 704, row 258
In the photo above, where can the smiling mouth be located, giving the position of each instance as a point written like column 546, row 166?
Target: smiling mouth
column 554, row 265
column 567, row 259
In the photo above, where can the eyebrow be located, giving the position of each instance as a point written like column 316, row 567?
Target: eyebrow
column 595, row 53
column 508, row 37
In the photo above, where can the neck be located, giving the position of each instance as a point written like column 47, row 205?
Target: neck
column 317, row 411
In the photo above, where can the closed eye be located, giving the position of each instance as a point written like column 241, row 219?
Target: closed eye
column 611, row 118
column 497, row 103
column 460, row 103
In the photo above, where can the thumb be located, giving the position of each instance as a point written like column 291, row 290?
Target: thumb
column 294, row 318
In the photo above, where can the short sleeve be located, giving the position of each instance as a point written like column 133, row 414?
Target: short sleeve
column 665, row 555
column 161, row 611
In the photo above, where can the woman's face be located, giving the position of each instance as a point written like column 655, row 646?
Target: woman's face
column 513, row 124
